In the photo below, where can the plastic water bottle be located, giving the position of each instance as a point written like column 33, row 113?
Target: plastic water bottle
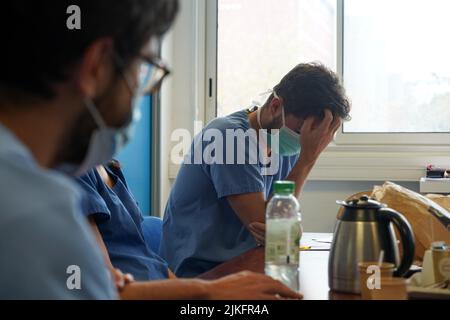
column 283, row 234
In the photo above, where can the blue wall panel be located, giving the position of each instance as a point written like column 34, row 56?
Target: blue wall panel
column 136, row 159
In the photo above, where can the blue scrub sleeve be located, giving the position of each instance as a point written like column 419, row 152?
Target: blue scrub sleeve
column 92, row 203
column 235, row 179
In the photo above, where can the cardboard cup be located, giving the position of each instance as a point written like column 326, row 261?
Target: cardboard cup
column 391, row 289
column 441, row 262
column 367, row 270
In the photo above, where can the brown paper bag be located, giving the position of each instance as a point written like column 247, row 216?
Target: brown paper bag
column 443, row 201
column 429, row 220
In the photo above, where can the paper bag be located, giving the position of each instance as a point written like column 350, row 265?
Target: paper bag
column 429, row 220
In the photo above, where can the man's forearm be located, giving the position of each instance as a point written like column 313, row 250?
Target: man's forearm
column 166, row 290
column 300, row 173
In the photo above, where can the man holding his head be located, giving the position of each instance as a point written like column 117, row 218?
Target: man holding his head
column 226, row 200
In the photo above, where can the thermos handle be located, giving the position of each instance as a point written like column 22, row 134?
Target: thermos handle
column 407, row 238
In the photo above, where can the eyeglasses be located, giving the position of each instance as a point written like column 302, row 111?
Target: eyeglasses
column 152, row 72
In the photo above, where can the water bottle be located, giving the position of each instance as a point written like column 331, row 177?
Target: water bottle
column 283, row 234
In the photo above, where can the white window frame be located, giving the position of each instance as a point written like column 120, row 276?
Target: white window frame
column 352, row 157
column 211, row 59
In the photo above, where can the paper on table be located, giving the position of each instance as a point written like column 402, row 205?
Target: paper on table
column 328, row 240
column 311, row 242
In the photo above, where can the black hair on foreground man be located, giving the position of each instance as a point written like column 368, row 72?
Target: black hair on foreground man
column 38, row 50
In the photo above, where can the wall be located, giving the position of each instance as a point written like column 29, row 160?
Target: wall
column 136, row 159
column 318, row 201
column 180, row 106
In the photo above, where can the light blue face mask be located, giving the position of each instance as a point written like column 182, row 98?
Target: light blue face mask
column 288, row 140
column 105, row 142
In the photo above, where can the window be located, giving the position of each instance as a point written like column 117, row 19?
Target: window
column 392, row 55
column 259, row 41
column 397, row 65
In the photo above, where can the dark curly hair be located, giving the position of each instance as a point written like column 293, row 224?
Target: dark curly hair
column 38, row 50
column 310, row 89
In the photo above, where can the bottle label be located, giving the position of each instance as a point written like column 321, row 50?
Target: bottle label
column 283, row 241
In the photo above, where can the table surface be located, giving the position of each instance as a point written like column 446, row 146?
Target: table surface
column 313, row 270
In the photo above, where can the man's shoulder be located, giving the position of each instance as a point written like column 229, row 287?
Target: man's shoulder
column 32, row 186
column 42, row 233
column 235, row 121
column 38, row 199
column 43, row 252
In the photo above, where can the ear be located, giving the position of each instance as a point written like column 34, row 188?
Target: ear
column 275, row 107
column 96, row 68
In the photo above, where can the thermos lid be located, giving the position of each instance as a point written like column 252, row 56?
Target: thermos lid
column 441, row 245
column 365, row 202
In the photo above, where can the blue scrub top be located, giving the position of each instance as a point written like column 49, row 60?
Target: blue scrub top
column 119, row 221
column 201, row 230
column 44, row 239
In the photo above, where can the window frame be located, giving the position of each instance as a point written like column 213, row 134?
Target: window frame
column 352, row 156
column 212, row 24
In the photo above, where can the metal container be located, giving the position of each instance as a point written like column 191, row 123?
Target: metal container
column 364, row 229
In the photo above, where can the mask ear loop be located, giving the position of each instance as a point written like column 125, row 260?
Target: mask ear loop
column 258, row 117
column 124, row 75
column 283, row 114
column 93, row 109
column 263, row 132
column 94, row 113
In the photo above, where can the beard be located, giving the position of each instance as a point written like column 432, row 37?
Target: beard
column 77, row 142
column 276, row 124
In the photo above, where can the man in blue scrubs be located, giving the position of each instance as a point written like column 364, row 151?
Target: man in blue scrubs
column 65, row 97
column 116, row 220
column 216, row 209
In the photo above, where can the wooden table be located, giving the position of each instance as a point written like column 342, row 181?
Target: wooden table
column 313, row 272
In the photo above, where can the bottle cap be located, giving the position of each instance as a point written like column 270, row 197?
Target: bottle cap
column 284, row 187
